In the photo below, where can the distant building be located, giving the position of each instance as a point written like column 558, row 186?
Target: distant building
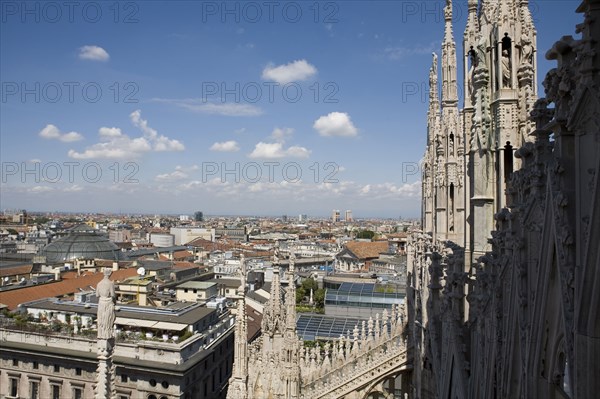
column 302, row 218
column 184, row 218
column 120, row 235
column 162, row 239
column 194, row 291
column 362, row 300
column 335, row 216
column 181, row 351
column 348, row 216
column 199, row 216
column 183, row 235
column 232, row 233
column 82, row 242
column 358, row 255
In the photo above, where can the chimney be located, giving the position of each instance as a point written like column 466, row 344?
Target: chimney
column 115, row 266
column 57, row 274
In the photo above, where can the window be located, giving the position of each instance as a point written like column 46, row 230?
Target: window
column 77, row 393
column 34, row 389
column 15, row 362
column 165, row 384
column 55, row 391
column 78, row 371
column 123, row 377
column 36, row 365
column 56, row 368
column 151, row 396
column 153, row 382
column 14, row 387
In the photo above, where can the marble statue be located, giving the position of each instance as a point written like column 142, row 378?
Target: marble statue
column 106, row 306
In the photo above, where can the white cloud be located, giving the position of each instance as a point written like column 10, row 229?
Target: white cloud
column 51, row 132
column 116, row 148
column 335, row 124
column 267, row 150
column 297, row 152
column 225, row 146
column 276, row 151
column 108, row 132
column 93, row 53
column 116, row 145
column 391, row 190
column 39, row 189
column 73, row 188
column 282, row 134
column 173, row 176
column 200, row 106
column 180, row 173
column 294, row 71
column 161, row 143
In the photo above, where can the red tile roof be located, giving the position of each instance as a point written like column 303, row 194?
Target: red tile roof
column 367, row 250
column 184, row 265
column 180, row 255
column 16, row 270
column 69, row 285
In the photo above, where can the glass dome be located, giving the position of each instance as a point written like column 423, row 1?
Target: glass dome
column 82, row 242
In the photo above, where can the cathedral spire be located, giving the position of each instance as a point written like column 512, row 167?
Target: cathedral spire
column 272, row 317
column 434, row 101
column 239, row 375
column 449, row 85
column 291, row 345
column 470, row 52
column 472, row 23
column 290, row 297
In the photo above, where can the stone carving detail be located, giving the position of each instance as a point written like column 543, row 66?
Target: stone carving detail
column 519, row 318
column 280, row 366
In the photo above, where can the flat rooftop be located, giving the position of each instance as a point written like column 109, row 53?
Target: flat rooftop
column 198, row 285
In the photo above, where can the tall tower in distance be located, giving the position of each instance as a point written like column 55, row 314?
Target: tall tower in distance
column 335, row 215
column 348, row 216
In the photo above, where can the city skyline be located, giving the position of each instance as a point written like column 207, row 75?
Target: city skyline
column 153, row 109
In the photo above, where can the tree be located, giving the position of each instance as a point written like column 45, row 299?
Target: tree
column 319, row 298
column 309, row 284
column 300, row 293
column 365, row 234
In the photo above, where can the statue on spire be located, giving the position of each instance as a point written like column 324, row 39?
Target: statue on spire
column 448, row 10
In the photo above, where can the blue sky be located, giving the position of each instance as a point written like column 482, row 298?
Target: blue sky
column 182, row 105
